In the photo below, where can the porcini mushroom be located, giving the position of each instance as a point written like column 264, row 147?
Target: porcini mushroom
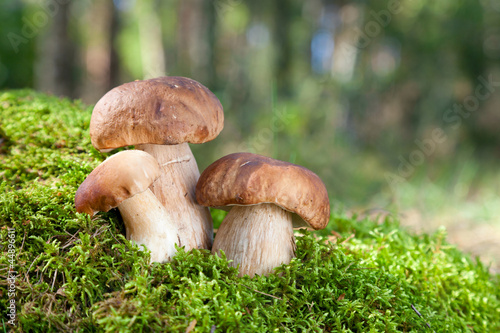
column 269, row 198
column 161, row 116
column 123, row 181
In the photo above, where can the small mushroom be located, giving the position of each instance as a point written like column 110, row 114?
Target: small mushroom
column 270, row 197
column 161, row 116
column 123, row 181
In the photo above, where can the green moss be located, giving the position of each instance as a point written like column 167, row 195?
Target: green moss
column 80, row 274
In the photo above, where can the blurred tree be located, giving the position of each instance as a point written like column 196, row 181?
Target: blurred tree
column 151, row 39
column 17, row 51
column 196, row 40
column 57, row 51
column 99, row 29
column 284, row 13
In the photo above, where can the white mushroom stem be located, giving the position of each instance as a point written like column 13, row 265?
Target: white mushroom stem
column 257, row 238
column 147, row 223
column 175, row 189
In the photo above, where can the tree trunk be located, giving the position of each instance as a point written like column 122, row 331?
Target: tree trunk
column 100, row 55
column 55, row 69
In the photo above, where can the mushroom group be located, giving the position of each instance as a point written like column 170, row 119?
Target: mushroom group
column 161, row 196
column 161, row 116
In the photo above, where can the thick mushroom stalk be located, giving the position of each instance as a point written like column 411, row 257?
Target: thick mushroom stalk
column 175, row 189
column 260, row 246
column 123, row 181
column 147, row 223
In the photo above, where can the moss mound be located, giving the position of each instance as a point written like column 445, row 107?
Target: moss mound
column 74, row 273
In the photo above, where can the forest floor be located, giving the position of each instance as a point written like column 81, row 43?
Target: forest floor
column 465, row 200
column 481, row 240
column 478, row 239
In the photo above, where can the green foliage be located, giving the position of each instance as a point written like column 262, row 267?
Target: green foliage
column 77, row 273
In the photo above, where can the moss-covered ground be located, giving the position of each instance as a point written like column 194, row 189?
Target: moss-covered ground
column 75, row 273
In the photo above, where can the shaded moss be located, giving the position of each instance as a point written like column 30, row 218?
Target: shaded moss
column 76, row 273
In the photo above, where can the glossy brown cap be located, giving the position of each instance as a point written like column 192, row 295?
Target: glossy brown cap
column 166, row 110
column 118, row 178
column 249, row 179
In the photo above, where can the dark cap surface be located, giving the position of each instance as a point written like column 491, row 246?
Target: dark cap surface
column 165, row 110
column 250, row 179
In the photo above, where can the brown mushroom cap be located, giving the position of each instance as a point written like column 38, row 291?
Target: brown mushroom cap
column 164, row 110
column 249, row 179
column 118, row 178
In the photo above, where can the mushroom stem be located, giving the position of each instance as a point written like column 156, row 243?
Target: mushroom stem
column 257, row 238
column 147, row 223
column 175, row 189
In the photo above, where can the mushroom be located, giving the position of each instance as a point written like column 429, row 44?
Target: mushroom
column 161, row 116
column 270, row 197
column 123, row 181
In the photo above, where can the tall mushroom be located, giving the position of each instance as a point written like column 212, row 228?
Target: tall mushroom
column 270, row 197
column 161, row 116
column 123, row 181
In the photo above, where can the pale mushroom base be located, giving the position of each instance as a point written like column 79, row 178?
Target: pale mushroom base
column 175, row 189
column 147, row 223
column 257, row 238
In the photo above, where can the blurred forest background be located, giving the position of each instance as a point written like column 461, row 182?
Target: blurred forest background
column 394, row 104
